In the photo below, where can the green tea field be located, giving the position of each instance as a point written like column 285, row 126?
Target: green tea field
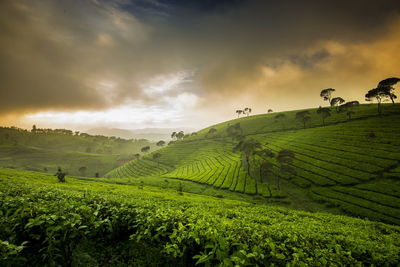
column 348, row 165
column 89, row 223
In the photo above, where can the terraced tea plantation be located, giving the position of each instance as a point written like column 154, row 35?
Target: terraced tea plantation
column 350, row 166
column 87, row 223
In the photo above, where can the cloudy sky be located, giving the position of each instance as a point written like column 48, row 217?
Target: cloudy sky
column 131, row 64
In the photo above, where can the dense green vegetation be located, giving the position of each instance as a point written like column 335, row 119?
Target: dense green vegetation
column 350, row 165
column 77, row 153
column 88, row 223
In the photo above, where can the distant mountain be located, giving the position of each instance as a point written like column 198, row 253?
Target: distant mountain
column 152, row 134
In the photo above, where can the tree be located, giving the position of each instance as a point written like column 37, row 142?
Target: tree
column 285, row 157
column 60, row 175
column 173, row 135
column 270, row 111
column 379, row 94
column 265, row 165
column 82, row 170
column 387, row 84
column 336, row 102
column 280, row 117
column 33, row 129
column 160, row 143
column 145, row 149
column 248, row 111
column 212, row 130
column 265, row 171
column 326, row 94
column 180, row 135
column 325, row 113
column 136, row 156
column 156, row 157
column 303, row 116
column 348, row 108
column 248, row 147
column 239, row 111
column 234, row 131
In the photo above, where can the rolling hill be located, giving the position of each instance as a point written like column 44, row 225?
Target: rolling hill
column 76, row 153
column 344, row 164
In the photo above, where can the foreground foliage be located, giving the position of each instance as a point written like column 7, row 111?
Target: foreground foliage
column 91, row 223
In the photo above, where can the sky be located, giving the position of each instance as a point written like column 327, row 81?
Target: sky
column 81, row 64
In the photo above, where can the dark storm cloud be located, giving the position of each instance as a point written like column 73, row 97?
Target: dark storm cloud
column 95, row 54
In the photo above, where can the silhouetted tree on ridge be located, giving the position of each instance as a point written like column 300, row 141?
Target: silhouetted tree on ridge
column 387, row 86
column 336, row 101
column 247, row 111
column 326, row 94
column 379, row 94
column 348, row 108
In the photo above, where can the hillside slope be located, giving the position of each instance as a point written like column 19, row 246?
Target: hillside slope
column 79, row 154
column 351, row 165
column 91, row 223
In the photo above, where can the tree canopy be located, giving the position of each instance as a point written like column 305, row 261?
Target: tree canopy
column 336, row 101
column 326, row 94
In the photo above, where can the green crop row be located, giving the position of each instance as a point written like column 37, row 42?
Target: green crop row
column 354, row 209
column 344, row 158
column 378, row 198
column 323, row 169
column 334, row 164
column 335, row 195
column 387, row 188
column 350, row 153
column 137, row 168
